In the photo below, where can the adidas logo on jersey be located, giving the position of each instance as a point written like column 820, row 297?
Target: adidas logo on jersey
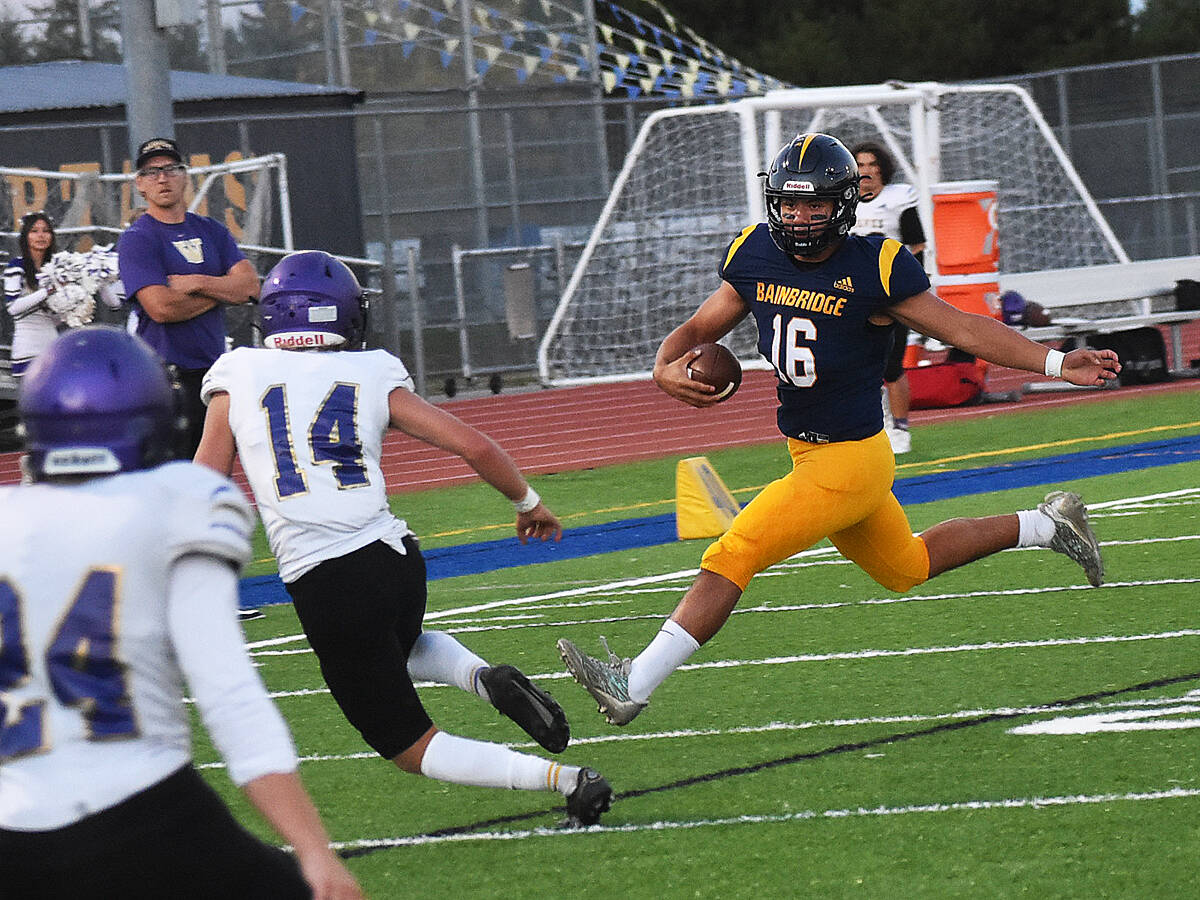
column 844, row 284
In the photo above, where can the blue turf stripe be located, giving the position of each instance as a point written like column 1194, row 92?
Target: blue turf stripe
column 629, row 534
column 1048, row 470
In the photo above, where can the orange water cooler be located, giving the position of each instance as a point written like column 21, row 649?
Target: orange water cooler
column 967, row 248
column 964, row 227
column 970, row 293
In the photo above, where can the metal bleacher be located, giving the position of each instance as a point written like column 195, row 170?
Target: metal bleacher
column 1094, row 300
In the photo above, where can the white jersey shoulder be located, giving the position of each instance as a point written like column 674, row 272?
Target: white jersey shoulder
column 261, row 359
column 309, row 427
column 211, row 515
column 91, row 707
column 881, row 214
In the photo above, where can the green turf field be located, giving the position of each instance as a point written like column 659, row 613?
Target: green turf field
column 1003, row 730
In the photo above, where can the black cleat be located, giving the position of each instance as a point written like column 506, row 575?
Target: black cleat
column 591, row 797
column 528, row 705
column 245, row 615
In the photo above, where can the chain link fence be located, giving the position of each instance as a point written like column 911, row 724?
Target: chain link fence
column 458, row 186
column 1132, row 130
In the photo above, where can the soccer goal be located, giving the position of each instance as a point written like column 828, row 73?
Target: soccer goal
column 249, row 196
column 690, row 183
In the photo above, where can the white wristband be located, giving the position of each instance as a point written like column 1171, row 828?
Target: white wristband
column 528, row 502
column 1054, row 361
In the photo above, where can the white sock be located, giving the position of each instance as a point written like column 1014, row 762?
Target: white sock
column 667, row 652
column 439, row 657
column 460, row 760
column 1036, row 528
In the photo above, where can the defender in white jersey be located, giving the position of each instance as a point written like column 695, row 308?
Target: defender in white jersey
column 118, row 581
column 890, row 208
column 306, row 415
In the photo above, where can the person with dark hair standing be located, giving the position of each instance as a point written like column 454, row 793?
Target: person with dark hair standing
column 34, row 326
column 889, row 208
column 179, row 269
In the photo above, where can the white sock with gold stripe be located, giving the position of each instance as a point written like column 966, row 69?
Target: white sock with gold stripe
column 460, row 760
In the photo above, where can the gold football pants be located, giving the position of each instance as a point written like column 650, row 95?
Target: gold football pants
column 842, row 491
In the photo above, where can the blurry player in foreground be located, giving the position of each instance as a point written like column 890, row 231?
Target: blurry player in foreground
column 824, row 301
column 118, row 581
column 307, row 415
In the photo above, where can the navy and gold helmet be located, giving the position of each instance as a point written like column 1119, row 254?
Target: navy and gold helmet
column 808, row 166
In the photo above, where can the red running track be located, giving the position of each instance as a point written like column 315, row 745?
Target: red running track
column 563, row 429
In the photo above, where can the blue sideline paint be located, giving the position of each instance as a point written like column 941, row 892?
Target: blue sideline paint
column 629, row 534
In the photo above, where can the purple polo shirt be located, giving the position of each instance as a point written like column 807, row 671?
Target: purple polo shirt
column 148, row 252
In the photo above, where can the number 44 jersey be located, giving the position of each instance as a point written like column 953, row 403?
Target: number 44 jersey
column 92, row 652
column 309, row 427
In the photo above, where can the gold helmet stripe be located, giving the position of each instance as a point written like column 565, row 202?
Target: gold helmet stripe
column 808, row 139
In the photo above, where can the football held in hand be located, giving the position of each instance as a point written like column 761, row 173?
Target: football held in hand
column 717, row 366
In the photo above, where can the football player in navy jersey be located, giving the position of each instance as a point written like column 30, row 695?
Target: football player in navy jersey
column 824, row 301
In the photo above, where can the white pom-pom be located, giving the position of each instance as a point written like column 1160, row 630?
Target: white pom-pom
column 72, row 281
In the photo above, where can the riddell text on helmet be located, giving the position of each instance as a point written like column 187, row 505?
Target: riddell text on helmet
column 302, row 339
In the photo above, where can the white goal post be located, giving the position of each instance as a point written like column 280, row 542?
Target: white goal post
column 247, row 195
column 690, row 184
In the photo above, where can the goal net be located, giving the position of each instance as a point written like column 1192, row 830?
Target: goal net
column 689, row 184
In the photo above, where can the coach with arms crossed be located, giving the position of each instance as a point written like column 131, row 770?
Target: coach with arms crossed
column 179, row 269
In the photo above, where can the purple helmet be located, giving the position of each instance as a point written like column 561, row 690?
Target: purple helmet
column 95, row 402
column 1012, row 308
column 309, row 300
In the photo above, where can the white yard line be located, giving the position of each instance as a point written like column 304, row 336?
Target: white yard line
column 629, row 586
column 861, row 655
column 808, row 815
column 452, row 626
column 1134, row 707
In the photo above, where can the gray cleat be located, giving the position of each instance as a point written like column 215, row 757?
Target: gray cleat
column 607, row 682
column 1073, row 535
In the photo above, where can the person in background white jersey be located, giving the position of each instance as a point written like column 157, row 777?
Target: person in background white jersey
column 889, row 208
